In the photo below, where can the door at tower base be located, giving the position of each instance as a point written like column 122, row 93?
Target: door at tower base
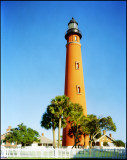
column 74, row 80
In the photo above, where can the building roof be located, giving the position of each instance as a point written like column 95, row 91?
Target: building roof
column 3, row 135
column 7, row 131
column 106, row 136
column 44, row 139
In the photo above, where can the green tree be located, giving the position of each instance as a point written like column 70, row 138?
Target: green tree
column 106, row 123
column 98, row 135
column 75, row 118
column 60, row 108
column 92, row 125
column 119, row 143
column 22, row 135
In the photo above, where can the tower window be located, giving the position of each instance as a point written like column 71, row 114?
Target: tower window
column 76, row 65
column 78, row 90
column 75, row 38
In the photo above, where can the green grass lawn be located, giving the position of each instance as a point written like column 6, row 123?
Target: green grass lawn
column 98, row 154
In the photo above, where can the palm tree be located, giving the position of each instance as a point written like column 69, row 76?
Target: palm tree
column 60, row 108
column 49, row 121
column 76, row 115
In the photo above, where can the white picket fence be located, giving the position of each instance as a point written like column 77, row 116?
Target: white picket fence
column 64, row 153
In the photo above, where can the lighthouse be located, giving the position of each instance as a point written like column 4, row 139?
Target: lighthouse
column 74, row 80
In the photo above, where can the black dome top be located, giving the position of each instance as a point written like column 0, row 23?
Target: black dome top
column 73, row 29
column 72, row 21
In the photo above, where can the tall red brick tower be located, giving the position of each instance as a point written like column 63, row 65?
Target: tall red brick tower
column 74, row 80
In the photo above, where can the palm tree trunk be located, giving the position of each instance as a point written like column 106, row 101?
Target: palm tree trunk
column 54, row 139
column 59, row 132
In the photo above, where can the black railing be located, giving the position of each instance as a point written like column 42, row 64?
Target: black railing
column 73, row 30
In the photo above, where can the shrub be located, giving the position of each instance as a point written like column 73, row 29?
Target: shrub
column 119, row 143
column 105, row 143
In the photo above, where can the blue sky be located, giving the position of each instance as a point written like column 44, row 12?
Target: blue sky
column 33, row 56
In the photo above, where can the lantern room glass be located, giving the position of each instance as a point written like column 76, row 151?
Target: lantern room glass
column 73, row 25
